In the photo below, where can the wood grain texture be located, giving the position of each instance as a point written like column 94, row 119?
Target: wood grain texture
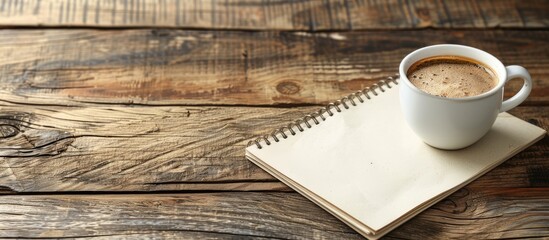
column 278, row 215
column 116, row 148
column 469, row 213
column 135, row 149
column 163, row 67
column 310, row 15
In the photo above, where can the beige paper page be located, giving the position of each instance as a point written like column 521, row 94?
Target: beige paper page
column 367, row 162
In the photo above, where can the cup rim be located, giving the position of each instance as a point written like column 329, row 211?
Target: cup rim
column 500, row 76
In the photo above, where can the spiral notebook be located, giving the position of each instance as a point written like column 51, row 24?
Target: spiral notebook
column 358, row 160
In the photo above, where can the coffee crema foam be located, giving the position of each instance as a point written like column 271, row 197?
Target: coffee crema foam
column 451, row 76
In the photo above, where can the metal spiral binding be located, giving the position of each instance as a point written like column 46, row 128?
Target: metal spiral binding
column 318, row 116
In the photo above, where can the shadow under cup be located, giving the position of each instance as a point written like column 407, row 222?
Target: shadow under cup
column 451, row 123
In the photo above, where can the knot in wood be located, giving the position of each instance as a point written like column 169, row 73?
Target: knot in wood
column 288, row 88
column 7, row 131
column 424, row 14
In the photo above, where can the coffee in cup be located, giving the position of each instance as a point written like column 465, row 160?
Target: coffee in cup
column 452, row 76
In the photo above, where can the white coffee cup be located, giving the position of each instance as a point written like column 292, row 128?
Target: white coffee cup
column 455, row 123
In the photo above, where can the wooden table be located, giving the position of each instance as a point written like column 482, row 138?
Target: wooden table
column 129, row 118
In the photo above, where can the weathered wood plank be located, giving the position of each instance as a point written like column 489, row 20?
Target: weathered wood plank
column 469, row 213
column 136, row 149
column 281, row 215
column 310, row 15
column 159, row 67
column 113, row 148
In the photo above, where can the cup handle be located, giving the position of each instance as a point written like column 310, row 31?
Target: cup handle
column 515, row 71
